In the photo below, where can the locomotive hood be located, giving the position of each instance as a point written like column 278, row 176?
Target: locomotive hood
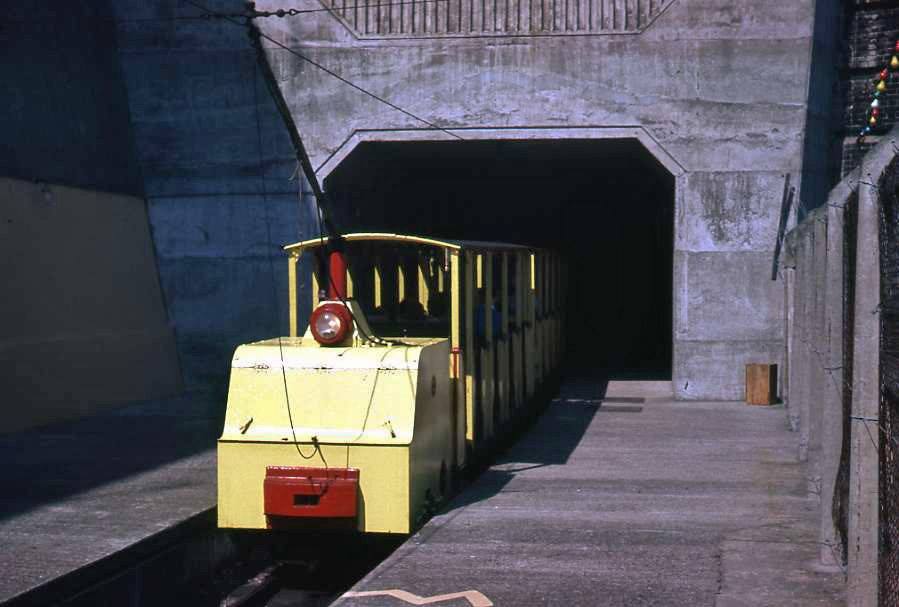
column 330, row 395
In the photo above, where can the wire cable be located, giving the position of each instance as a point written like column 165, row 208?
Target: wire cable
column 326, row 70
column 293, row 12
column 276, row 299
column 305, row 165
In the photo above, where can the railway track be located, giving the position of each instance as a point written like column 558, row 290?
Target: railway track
column 297, row 571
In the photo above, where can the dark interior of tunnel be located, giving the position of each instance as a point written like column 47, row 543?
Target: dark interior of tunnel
column 607, row 206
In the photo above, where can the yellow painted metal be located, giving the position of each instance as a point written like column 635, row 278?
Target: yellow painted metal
column 470, row 379
column 456, row 245
column 400, row 282
column 424, row 283
column 455, row 305
column 479, row 271
column 457, row 366
column 400, row 413
column 375, row 236
column 377, row 279
column 315, row 289
column 533, row 368
column 383, row 479
column 384, row 410
column 292, row 292
column 350, row 286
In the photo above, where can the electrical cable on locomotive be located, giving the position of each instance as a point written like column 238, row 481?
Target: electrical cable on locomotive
column 275, row 297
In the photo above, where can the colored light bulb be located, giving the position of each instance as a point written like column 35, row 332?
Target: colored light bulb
column 873, row 120
column 884, row 74
column 875, row 103
column 875, row 112
column 894, row 62
column 881, row 86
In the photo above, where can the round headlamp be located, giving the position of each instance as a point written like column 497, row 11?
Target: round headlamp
column 330, row 323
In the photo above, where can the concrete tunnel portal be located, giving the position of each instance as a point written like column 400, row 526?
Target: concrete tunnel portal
column 606, row 205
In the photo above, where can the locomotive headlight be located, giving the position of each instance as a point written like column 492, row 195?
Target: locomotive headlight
column 330, row 323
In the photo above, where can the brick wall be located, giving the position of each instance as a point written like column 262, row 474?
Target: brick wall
column 872, row 29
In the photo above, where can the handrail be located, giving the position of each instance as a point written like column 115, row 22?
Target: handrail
column 453, row 245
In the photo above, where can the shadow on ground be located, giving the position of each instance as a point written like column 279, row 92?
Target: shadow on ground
column 53, row 462
column 560, row 426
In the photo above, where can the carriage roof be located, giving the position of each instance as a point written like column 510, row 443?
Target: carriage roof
column 455, row 245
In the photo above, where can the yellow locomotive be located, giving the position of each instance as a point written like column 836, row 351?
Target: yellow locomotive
column 417, row 357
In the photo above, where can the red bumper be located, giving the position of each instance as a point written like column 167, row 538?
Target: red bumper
column 311, row 492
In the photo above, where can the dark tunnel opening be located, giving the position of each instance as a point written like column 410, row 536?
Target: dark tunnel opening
column 607, row 206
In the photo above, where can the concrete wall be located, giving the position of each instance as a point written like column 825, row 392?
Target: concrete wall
column 812, row 272
column 833, row 275
column 83, row 323
column 217, row 168
column 65, row 109
column 717, row 89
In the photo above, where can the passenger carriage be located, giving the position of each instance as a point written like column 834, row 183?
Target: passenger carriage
column 419, row 355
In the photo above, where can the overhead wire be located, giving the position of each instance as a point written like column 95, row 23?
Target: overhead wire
column 311, row 178
column 305, row 164
column 326, row 70
column 321, row 198
column 293, row 12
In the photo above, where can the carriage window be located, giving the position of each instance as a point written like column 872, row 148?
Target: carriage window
column 403, row 289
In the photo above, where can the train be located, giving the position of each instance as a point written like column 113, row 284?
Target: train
column 420, row 355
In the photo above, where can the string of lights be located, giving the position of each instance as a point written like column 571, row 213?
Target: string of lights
column 874, row 110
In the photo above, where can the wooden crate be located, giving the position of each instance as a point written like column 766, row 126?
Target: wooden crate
column 761, row 384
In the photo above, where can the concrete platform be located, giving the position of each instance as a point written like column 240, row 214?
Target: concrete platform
column 80, row 500
column 639, row 500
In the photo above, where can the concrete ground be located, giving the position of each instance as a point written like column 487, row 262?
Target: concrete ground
column 641, row 500
column 77, row 494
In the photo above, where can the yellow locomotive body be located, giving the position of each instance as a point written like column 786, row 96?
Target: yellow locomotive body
column 382, row 410
column 367, row 432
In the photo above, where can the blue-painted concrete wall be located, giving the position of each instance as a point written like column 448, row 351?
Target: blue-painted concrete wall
column 219, row 178
column 822, row 149
column 65, row 108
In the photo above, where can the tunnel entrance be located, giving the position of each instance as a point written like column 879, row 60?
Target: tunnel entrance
column 606, row 205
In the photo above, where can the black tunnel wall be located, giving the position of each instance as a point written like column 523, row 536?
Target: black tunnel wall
column 608, row 206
